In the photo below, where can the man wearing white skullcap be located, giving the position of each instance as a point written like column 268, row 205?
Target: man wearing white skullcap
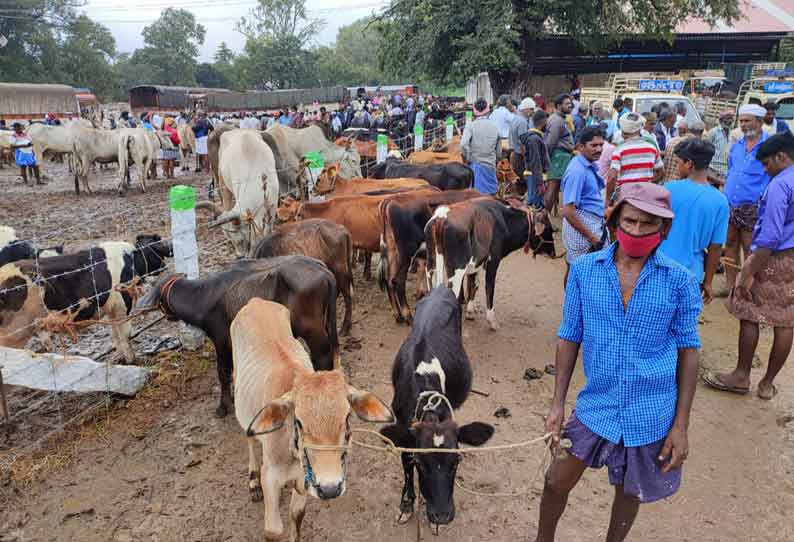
column 635, row 160
column 744, row 185
column 519, row 125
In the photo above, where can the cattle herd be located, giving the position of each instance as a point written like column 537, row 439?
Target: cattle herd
column 297, row 243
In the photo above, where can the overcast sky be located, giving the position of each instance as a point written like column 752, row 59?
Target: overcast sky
column 126, row 19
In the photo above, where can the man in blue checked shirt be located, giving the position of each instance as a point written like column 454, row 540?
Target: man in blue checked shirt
column 635, row 313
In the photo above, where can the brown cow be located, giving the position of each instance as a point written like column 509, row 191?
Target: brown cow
column 331, row 183
column 438, row 153
column 323, row 240
column 506, row 178
column 403, row 220
column 367, row 149
column 359, row 214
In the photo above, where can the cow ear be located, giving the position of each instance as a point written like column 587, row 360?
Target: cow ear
column 272, row 416
column 475, row 433
column 400, row 435
column 368, row 406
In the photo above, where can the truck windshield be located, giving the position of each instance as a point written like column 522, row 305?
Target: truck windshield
column 644, row 105
column 786, row 110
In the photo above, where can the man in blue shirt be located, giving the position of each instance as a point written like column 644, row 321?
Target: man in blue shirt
column 702, row 215
column 745, row 182
column 634, row 311
column 582, row 209
column 764, row 291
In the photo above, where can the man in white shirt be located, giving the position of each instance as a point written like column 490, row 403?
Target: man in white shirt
column 501, row 116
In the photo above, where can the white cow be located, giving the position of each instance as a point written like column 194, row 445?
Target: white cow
column 293, row 144
column 187, row 144
column 55, row 138
column 90, row 146
column 249, row 188
column 141, row 147
column 286, row 407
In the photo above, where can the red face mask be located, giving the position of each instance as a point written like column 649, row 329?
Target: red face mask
column 638, row 247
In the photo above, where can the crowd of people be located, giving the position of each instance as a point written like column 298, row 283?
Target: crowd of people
column 653, row 207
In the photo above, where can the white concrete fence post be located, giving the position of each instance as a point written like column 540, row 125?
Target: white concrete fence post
column 183, row 236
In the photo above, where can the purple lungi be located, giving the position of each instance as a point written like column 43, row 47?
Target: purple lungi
column 637, row 469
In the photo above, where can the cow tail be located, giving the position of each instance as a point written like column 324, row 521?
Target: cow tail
column 383, row 262
column 124, row 155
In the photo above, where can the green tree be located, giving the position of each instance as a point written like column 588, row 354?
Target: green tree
column 449, row 40
column 171, row 47
column 208, row 75
column 352, row 59
column 277, row 34
column 87, row 52
column 32, row 28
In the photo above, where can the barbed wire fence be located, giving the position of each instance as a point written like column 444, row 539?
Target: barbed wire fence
column 60, row 327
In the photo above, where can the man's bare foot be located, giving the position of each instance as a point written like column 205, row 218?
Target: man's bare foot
column 766, row 390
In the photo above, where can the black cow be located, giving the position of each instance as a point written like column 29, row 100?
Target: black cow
column 403, row 220
column 302, row 284
column 449, row 176
column 466, row 236
column 432, row 378
column 13, row 249
column 62, row 282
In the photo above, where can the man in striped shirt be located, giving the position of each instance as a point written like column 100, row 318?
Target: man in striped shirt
column 635, row 160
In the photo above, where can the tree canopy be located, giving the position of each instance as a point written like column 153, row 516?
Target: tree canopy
column 453, row 39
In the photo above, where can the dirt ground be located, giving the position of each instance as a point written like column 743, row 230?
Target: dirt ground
column 163, row 468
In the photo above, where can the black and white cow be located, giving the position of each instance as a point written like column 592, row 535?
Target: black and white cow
column 29, row 289
column 13, row 249
column 479, row 233
column 432, row 377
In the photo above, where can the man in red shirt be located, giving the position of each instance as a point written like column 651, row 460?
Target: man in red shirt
column 635, row 160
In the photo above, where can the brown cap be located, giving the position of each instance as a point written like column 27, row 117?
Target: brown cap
column 648, row 197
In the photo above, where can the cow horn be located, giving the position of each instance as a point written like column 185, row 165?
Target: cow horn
column 225, row 217
column 214, row 208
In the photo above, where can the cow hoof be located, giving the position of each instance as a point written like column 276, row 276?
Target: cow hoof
column 469, row 315
column 221, row 411
column 404, row 517
column 256, row 494
column 491, row 317
column 400, row 319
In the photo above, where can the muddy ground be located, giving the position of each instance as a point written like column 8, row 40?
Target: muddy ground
column 161, row 467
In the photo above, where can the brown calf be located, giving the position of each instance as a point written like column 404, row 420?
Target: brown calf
column 331, row 183
column 320, row 239
column 403, row 219
column 282, row 403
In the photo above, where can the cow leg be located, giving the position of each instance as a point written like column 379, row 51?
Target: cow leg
column 254, row 470
column 367, row 265
column 272, row 481
column 471, row 291
column 224, row 361
column 117, row 310
column 409, row 496
column 490, row 285
column 297, row 509
column 345, row 285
